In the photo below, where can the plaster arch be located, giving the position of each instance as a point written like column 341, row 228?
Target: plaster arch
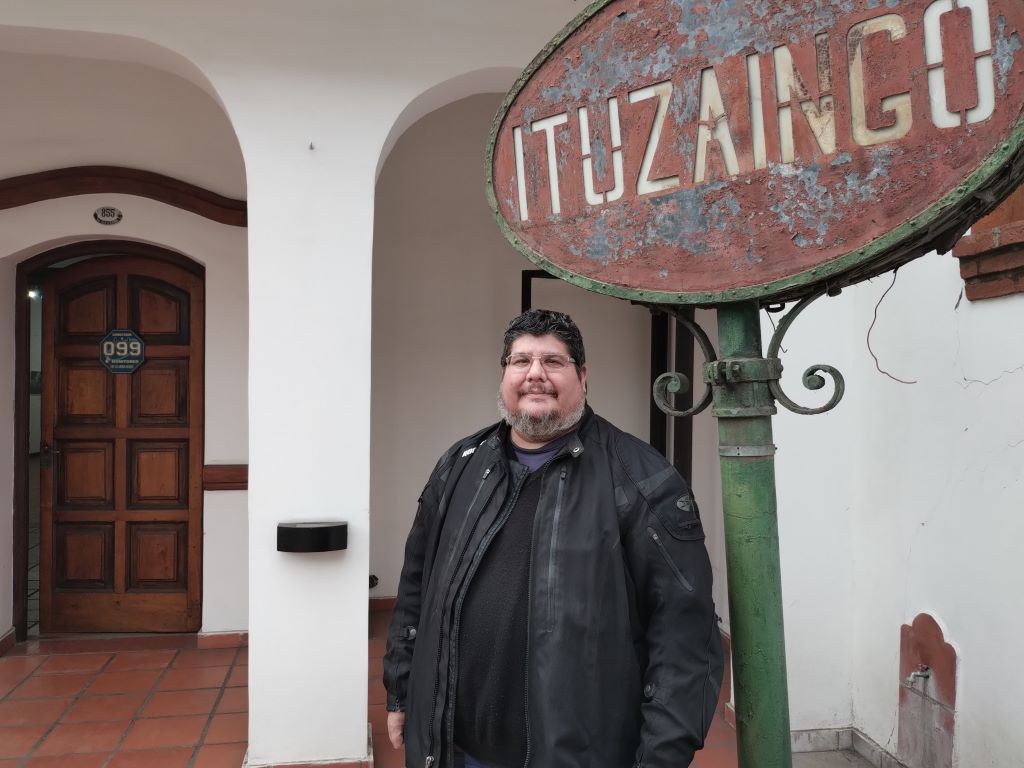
column 109, row 47
column 477, row 81
column 86, row 99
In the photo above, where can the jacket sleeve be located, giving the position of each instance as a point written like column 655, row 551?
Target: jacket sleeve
column 671, row 572
column 406, row 617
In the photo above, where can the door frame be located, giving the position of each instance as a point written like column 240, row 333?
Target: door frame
column 22, row 340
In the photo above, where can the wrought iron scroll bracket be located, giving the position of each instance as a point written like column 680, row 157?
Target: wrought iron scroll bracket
column 673, row 382
column 812, row 377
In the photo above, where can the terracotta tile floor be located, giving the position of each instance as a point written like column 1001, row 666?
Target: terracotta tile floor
column 123, row 702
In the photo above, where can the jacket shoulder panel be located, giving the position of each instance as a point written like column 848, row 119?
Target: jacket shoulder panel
column 657, row 483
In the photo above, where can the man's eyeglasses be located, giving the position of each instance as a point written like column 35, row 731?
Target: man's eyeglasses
column 520, row 362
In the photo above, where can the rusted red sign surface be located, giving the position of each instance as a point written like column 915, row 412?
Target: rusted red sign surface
column 697, row 151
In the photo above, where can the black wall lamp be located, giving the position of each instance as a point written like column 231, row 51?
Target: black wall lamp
column 323, row 536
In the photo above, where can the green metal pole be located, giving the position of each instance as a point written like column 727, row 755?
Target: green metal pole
column 744, row 407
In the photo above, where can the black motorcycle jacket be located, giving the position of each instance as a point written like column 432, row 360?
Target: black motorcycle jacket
column 624, row 658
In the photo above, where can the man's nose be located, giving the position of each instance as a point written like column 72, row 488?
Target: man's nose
column 536, row 370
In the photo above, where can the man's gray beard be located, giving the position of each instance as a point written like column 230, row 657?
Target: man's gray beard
column 544, row 428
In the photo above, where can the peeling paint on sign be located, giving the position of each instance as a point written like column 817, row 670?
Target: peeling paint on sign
column 674, row 151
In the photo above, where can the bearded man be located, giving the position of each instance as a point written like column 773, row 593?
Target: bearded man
column 555, row 607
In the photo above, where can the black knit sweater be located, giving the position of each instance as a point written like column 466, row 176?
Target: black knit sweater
column 490, row 703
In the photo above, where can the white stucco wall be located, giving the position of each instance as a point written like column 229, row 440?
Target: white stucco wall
column 906, row 499
column 32, row 229
column 445, row 285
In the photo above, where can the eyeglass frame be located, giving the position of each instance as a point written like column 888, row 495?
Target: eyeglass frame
column 506, row 362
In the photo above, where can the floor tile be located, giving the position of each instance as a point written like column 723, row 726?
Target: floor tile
column 378, row 718
column 153, row 758
column 127, row 660
column 89, row 709
column 69, row 761
column 234, row 700
column 32, row 711
column 14, row 669
column 219, row 657
column 77, row 662
column 228, row 728
column 75, row 738
column 239, row 676
column 716, row 757
column 720, row 734
column 243, row 655
column 19, row 740
column 220, row 756
column 133, row 681
column 377, row 646
column 376, row 669
column 166, row 732
column 376, row 691
column 49, row 686
column 385, row 756
column 168, row 703
column 20, row 666
column 184, row 678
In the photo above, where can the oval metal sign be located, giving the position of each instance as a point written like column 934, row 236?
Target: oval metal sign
column 699, row 152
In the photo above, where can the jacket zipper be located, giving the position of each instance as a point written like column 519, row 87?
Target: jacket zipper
column 664, row 553
column 440, row 641
column 473, row 566
column 551, row 548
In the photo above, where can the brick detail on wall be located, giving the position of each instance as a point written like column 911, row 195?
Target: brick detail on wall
column 992, row 256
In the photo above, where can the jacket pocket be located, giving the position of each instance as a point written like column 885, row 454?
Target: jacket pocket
column 683, row 581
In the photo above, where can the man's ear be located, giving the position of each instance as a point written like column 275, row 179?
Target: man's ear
column 583, row 378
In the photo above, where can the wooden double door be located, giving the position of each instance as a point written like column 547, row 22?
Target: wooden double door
column 121, row 454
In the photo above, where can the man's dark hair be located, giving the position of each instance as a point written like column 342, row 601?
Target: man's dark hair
column 540, row 322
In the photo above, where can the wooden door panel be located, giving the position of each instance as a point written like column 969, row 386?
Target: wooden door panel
column 84, row 556
column 121, row 498
column 160, row 393
column 121, row 612
column 159, row 312
column 85, row 392
column 84, row 475
column 157, row 474
column 88, row 310
column 157, row 556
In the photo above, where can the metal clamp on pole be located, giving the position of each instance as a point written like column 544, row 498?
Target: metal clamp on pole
column 746, row 450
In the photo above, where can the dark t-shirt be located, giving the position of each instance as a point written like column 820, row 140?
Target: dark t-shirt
column 535, row 458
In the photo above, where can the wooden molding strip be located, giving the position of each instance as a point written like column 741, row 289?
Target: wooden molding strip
column 108, row 179
column 226, row 477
